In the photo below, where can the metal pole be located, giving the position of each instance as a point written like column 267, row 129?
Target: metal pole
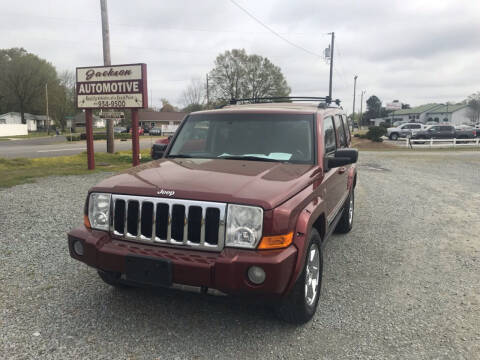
column 46, row 105
column 89, row 134
column 331, row 66
column 135, row 141
column 208, row 95
column 354, row 93
column 107, row 62
column 361, row 107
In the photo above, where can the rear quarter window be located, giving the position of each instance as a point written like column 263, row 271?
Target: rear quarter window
column 330, row 142
column 340, row 132
column 347, row 128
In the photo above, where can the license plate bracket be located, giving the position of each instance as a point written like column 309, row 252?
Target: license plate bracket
column 148, row 271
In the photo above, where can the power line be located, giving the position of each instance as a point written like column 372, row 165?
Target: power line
column 273, row 31
column 91, row 21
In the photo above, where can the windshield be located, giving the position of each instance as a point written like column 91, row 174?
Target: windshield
column 264, row 137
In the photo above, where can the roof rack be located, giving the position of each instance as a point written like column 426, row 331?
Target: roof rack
column 323, row 100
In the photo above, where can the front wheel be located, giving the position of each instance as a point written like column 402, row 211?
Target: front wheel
column 300, row 304
column 394, row 136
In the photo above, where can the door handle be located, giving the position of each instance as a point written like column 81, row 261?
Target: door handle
column 342, row 170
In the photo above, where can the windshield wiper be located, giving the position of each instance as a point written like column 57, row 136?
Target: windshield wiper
column 251, row 158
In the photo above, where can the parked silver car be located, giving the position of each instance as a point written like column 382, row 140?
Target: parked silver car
column 404, row 130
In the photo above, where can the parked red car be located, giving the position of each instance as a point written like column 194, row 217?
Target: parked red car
column 159, row 147
column 140, row 131
column 243, row 201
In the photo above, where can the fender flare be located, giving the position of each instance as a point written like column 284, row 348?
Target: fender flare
column 305, row 221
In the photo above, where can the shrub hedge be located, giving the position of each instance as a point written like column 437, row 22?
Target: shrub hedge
column 96, row 136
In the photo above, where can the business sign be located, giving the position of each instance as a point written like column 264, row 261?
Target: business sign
column 112, row 115
column 169, row 129
column 394, row 106
column 112, row 87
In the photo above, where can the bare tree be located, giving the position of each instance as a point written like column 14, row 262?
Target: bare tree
column 239, row 75
column 194, row 94
column 473, row 102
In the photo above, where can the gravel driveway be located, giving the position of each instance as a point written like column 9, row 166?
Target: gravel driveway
column 404, row 284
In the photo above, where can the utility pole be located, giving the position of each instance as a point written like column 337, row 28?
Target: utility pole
column 331, row 65
column 107, row 62
column 208, row 95
column 354, row 93
column 46, row 105
column 361, row 108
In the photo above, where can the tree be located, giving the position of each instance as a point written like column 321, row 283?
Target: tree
column 474, row 102
column 194, row 95
column 62, row 98
column 238, row 75
column 166, row 106
column 22, row 81
column 374, row 109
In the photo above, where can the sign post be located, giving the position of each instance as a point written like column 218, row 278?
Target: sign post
column 89, row 135
column 135, row 140
column 112, row 87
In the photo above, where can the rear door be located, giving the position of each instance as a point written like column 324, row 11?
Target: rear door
column 329, row 148
column 338, row 188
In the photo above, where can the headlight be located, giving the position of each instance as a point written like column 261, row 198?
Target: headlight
column 244, row 226
column 99, row 210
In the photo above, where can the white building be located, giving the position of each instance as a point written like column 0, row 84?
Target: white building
column 452, row 114
column 96, row 123
column 34, row 122
column 415, row 114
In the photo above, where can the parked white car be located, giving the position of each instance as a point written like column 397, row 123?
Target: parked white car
column 404, row 130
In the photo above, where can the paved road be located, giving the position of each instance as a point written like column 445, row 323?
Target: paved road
column 404, row 284
column 58, row 146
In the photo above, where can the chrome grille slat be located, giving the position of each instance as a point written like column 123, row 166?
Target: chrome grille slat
column 169, row 224
column 202, row 227
column 139, row 220
column 125, row 222
column 185, row 226
column 154, row 222
column 197, row 233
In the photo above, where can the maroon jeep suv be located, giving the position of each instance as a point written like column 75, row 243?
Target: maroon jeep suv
column 241, row 202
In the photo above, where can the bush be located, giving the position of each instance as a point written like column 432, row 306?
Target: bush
column 97, row 136
column 375, row 133
column 73, row 137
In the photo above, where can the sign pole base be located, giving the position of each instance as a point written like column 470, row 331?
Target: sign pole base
column 89, row 135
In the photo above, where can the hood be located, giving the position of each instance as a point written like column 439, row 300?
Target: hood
column 265, row 184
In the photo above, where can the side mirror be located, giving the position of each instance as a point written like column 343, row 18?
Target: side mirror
column 342, row 157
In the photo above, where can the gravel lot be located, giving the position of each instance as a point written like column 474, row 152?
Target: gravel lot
column 404, row 284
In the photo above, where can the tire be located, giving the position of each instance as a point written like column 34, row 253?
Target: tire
column 299, row 306
column 112, row 279
column 394, row 136
column 346, row 221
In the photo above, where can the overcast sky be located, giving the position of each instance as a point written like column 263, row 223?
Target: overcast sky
column 416, row 51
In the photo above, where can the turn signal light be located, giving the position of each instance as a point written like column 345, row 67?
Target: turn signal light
column 276, row 241
column 86, row 222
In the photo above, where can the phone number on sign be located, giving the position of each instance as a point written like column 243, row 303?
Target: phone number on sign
column 112, row 103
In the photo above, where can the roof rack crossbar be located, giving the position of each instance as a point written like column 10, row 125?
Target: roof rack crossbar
column 325, row 99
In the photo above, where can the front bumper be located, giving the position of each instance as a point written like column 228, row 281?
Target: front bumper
column 225, row 271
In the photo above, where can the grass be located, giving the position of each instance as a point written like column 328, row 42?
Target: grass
column 23, row 170
column 368, row 145
column 32, row 134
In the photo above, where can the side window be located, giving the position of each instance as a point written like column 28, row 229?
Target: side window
column 416, row 126
column 347, row 128
column 340, row 131
column 330, row 142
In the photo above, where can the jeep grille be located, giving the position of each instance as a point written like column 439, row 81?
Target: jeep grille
column 183, row 223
